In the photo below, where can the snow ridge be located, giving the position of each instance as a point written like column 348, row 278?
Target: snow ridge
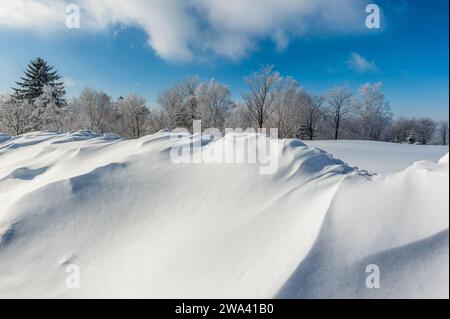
column 139, row 225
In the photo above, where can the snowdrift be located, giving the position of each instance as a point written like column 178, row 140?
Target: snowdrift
column 138, row 225
column 380, row 157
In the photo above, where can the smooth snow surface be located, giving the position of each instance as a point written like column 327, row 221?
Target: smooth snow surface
column 4, row 137
column 138, row 225
column 380, row 157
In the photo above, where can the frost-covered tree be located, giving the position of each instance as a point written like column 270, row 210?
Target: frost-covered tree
column 48, row 112
column 443, row 132
column 96, row 109
column 191, row 105
column 411, row 129
column 215, row 103
column 180, row 103
column 287, row 114
column 411, row 139
column 401, row 129
column 38, row 75
column 134, row 115
column 190, row 102
column 374, row 111
column 171, row 102
column 425, row 129
column 339, row 107
column 311, row 113
column 75, row 117
column 238, row 117
column 157, row 121
column 45, row 113
column 264, row 87
column 15, row 115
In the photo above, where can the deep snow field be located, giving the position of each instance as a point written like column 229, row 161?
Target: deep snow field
column 138, row 225
column 380, row 157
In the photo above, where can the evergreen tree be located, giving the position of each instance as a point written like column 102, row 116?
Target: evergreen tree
column 37, row 76
column 411, row 139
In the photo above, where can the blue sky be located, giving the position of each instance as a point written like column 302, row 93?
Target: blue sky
column 409, row 55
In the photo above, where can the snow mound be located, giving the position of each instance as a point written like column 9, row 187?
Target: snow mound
column 139, row 225
column 398, row 222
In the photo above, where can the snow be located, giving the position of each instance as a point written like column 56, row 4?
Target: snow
column 138, row 225
column 380, row 157
column 4, row 137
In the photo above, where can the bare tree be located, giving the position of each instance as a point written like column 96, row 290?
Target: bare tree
column 239, row 117
column 339, row 102
column 425, row 129
column 264, row 87
column 133, row 114
column 215, row 103
column 157, row 121
column 311, row 109
column 443, row 132
column 180, row 103
column 96, row 107
column 402, row 128
column 75, row 117
column 374, row 112
column 287, row 110
column 171, row 102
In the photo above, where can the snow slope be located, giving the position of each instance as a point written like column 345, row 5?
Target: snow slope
column 3, row 137
column 138, row 225
column 380, row 157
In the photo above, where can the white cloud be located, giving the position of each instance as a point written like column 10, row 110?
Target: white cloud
column 182, row 29
column 359, row 63
column 41, row 15
column 69, row 81
column 367, row 87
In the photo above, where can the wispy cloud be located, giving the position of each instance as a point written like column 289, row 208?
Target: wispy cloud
column 358, row 63
column 182, row 29
column 69, row 81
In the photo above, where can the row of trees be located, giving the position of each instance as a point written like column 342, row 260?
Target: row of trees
column 271, row 101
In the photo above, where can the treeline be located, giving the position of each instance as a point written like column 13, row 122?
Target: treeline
column 271, row 101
